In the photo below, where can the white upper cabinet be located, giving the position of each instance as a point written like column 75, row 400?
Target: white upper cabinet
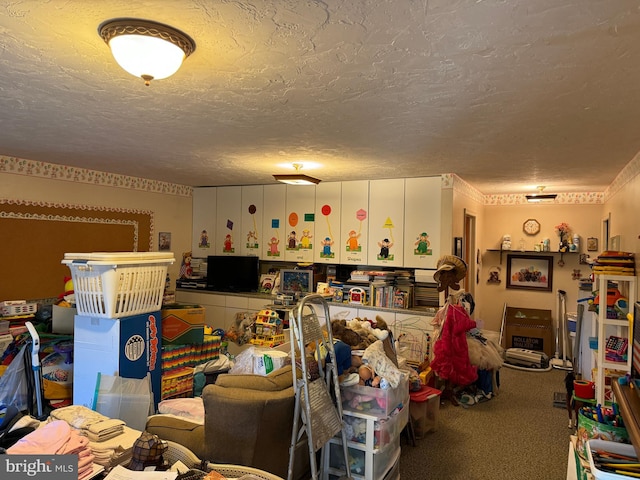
column 273, row 222
column 422, row 214
column 204, row 222
column 229, row 221
column 252, row 213
column 300, row 221
column 354, row 223
column 327, row 226
column 386, row 225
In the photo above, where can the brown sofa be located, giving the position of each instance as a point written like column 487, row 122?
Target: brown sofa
column 248, row 421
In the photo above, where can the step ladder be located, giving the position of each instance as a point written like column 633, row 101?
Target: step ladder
column 316, row 413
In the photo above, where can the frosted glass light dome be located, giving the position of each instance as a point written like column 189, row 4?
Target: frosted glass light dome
column 146, row 49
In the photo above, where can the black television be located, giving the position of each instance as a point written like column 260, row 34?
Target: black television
column 228, row 273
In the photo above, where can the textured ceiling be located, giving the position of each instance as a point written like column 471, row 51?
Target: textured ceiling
column 507, row 94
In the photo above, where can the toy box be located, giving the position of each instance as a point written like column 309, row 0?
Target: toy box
column 589, row 429
column 375, row 401
column 424, row 409
column 268, row 329
column 383, row 460
column 182, row 324
column 385, row 430
column 129, row 347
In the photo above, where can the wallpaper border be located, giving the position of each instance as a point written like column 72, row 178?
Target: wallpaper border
column 32, row 168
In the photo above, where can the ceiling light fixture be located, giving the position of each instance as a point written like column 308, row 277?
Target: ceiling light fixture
column 540, row 196
column 297, row 178
column 146, row 49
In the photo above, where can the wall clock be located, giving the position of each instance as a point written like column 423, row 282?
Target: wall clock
column 531, row 226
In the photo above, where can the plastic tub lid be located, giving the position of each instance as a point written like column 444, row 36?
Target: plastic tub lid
column 111, row 256
column 122, row 258
column 424, row 394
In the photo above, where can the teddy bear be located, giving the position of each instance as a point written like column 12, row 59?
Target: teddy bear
column 340, row 331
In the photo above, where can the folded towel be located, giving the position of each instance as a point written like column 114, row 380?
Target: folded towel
column 106, row 426
column 101, row 437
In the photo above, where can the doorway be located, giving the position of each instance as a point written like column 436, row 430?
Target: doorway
column 471, row 254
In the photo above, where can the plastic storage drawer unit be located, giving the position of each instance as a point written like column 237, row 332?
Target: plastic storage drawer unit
column 375, row 401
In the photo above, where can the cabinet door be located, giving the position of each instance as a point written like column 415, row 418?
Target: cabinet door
column 354, row 222
column 252, row 212
column 422, row 211
column 228, row 221
column 300, row 240
column 386, row 232
column 327, row 228
column 204, row 222
column 273, row 223
column 341, row 311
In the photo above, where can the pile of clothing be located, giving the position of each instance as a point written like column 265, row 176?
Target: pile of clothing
column 110, row 440
column 57, row 438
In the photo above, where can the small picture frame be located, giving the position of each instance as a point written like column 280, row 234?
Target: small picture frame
column 592, row 244
column 164, row 241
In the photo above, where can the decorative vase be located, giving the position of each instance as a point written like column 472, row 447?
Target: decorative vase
column 563, row 246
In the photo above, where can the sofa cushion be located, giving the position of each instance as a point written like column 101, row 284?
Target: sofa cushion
column 277, row 380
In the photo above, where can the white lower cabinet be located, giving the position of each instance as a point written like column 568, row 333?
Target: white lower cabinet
column 374, row 446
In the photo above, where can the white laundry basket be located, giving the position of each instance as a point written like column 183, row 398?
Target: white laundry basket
column 118, row 284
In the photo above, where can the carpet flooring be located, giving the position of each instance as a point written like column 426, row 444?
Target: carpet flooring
column 518, row 434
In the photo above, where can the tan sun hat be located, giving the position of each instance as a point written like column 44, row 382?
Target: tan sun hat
column 448, row 263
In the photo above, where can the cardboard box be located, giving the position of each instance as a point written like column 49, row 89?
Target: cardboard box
column 529, row 328
column 62, row 319
column 129, row 347
column 182, row 324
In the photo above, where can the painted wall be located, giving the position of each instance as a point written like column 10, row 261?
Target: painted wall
column 500, row 220
column 172, row 212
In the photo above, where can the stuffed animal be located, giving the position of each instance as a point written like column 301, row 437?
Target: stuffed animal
column 340, row 331
column 368, row 377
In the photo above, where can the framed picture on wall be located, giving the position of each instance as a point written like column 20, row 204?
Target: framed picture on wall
column 164, row 241
column 592, row 244
column 528, row 272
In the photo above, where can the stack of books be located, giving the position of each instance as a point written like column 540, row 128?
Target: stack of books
column 615, row 263
column 360, row 276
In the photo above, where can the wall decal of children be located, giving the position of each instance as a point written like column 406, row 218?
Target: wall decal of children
column 228, row 243
column 384, row 245
column 204, row 240
column 305, row 239
column 292, row 242
column 422, row 244
column 273, row 247
column 326, row 248
column 352, row 242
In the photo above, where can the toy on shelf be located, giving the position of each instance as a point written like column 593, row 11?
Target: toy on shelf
column 617, row 304
column 268, row 329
